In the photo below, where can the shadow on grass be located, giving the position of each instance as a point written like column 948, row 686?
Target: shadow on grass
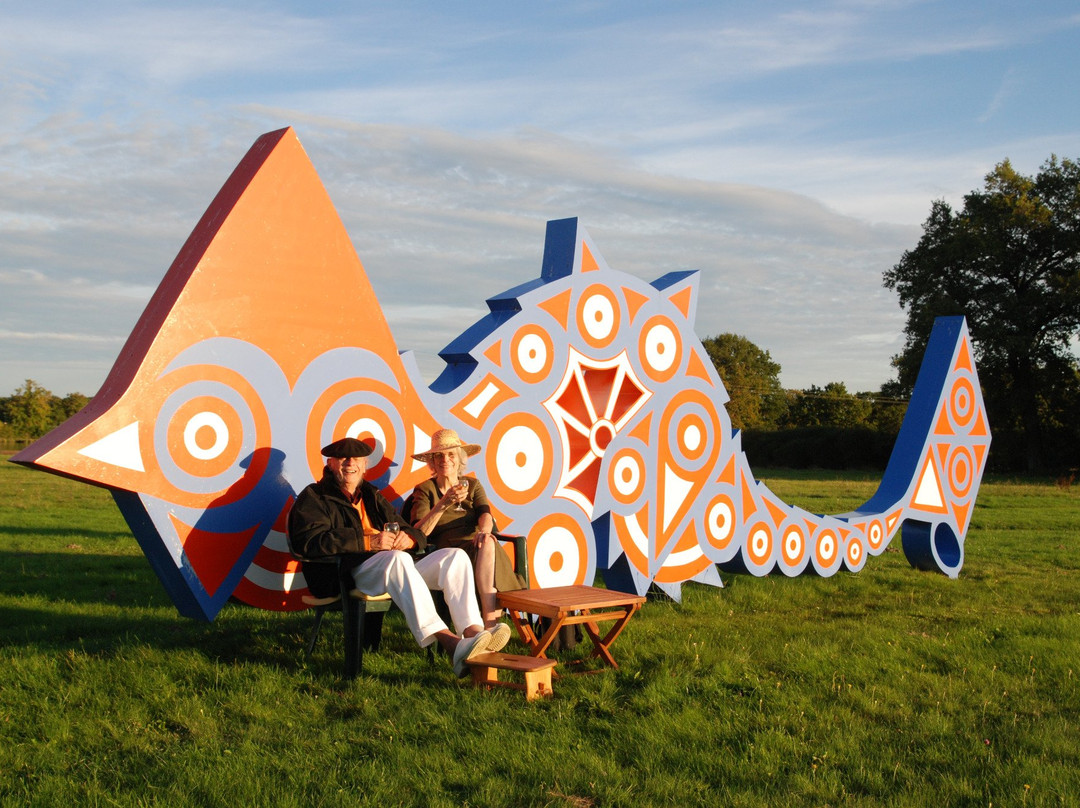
column 238, row 640
column 81, row 577
column 106, row 605
column 69, row 530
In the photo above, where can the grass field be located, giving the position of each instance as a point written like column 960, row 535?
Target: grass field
column 890, row 687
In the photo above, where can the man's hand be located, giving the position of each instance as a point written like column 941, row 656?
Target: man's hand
column 385, row 540
column 403, row 541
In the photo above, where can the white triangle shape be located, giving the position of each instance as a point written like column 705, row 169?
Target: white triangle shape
column 421, row 443
column 676, row 489
column 929, row 493
column 120, row 448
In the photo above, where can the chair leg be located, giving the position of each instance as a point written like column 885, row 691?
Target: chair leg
column 373, row 622
column 444, row 613
column 353, row 615
column 320, row 612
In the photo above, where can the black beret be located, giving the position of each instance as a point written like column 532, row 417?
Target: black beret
column 347, row 447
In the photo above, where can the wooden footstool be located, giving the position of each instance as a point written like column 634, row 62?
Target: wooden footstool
column 486, row 667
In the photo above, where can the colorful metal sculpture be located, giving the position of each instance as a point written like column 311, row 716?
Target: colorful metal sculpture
column 602, row 420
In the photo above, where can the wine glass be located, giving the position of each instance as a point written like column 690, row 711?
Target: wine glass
column 462, row 486
column 392, row 527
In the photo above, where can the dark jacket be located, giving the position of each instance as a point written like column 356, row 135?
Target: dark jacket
column 323, row 524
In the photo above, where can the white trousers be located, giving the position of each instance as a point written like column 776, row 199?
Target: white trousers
column 448, row 570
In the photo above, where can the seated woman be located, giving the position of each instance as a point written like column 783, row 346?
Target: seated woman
column 453, row 511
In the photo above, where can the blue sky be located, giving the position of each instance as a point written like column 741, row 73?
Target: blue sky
column 788, row 150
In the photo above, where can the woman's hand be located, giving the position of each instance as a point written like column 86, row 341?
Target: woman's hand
column 456, row 493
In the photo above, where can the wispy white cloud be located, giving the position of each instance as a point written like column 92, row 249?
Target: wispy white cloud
column 165, row 45
column 1006, row 88
column 60, row 336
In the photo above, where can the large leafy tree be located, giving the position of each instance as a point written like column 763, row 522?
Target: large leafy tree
column 751, row 378
column 28, row 413
column 1009, row 261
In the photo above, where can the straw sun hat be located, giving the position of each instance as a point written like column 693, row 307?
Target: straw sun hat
column 443, row 441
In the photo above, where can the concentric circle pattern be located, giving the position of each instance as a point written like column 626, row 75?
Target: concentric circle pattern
column 759, row 546
column 720, row 522
column 559, row 552
column 962, row 402
column 627, row 476
column 598, row 316
column 691, row 431
column 961, row 472
column 346, row 409
column 792, row 548
column 854, row 553
column 826, row 551
column 520, row 458
column 875, row 535
column 660, row 348
column 207, row 433
column 532, row 353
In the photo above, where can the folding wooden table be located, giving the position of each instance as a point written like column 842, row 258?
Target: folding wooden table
column 568, row 606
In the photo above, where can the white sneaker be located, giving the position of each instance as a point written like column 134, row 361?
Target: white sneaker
column 467, row 648
column 500, row 636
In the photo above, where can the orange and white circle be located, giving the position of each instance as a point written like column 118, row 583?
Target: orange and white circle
column 532, row 353
column 626, row 476
column 660, row 348
column 598, row 316
column 693, row 435
column 792, row 546
column 558, row 552
column 961, row 471
column 826, row 549
column 374, row 425
column 720, row 521
column 378, row 435
column 759, row 544
column 875, row 535
column 854, row 553
column 359, row 408
column 207, row 435
column 962, row 401
column 521, row 458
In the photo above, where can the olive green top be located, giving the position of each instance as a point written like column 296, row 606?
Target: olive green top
column 457, row 529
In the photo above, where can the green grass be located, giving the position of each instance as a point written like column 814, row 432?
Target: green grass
column 890, row 687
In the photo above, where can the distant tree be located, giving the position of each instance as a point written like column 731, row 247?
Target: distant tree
column 28, row 413
column 1010, row 262
column 67, row 406
column 831, row 405
column 887, row 408
column 32, row 411
column 751, row 378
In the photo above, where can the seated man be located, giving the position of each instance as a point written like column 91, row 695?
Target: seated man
column 345, row 514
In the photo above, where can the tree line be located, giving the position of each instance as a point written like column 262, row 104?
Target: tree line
column 31, row 411
column 758, row 401
column 824, row 427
